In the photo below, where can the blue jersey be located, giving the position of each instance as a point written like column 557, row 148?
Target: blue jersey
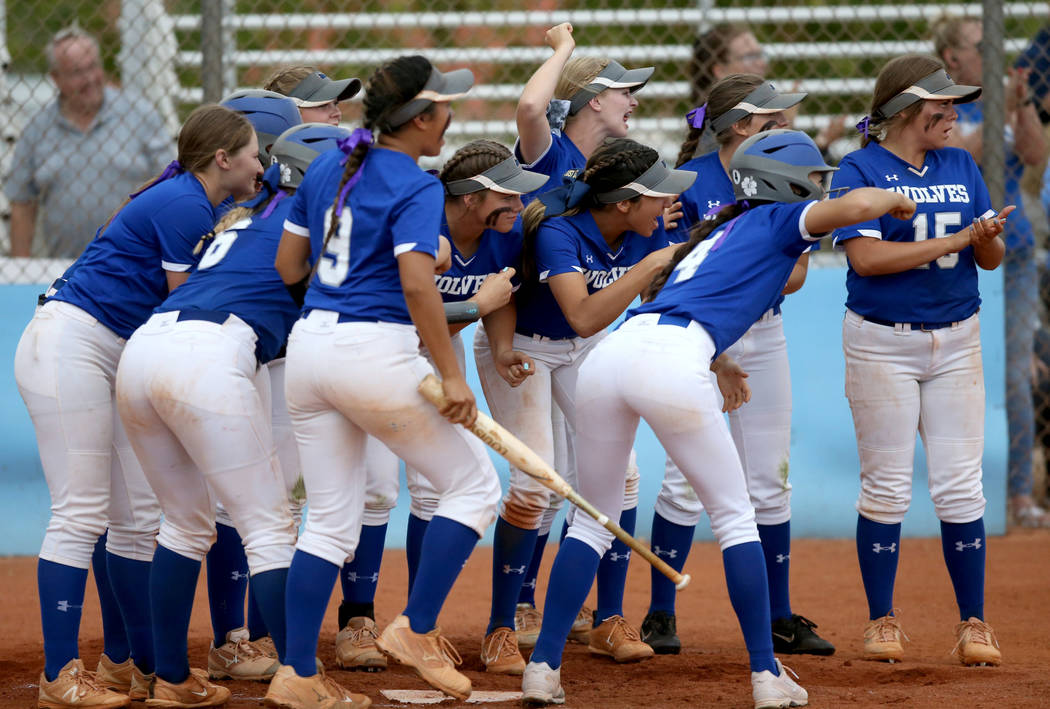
column 394, row 208
column 236, row 275
column 495, row 251
column 728, row 280
column 949, row 194
column 574, row 245
column 560, row 159
column 121, row 277
column 711, row 190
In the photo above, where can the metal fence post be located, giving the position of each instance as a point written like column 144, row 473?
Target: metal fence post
column 211, row 50
column 993, row 161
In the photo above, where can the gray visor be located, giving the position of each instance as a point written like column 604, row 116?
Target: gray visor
column 764, row 98
column 937, row 86
column 506, row 177
column 658, row 181
column 613, row 76
column 317, row 89
column 439, row 87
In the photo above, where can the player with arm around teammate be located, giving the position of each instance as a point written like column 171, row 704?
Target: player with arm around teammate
column 718, row 284
column 65, row 367
column 911, row 338
column 368, row 218
column 738, row 107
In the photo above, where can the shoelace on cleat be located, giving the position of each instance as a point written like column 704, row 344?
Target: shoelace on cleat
column 620, row 623
column 504, row 644
column 974, row 631
column 365, row 635
column 447, row 649
column 887, row 629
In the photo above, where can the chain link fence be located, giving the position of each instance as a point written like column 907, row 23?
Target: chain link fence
column 169, row 55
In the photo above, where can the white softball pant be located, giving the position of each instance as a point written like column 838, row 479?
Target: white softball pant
column 347, row 380
column 761, row 431
column 197, row 410
column 900, row 380
column 65, row 368
column 658, row 372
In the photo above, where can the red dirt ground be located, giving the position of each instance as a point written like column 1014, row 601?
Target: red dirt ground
column 712, row 669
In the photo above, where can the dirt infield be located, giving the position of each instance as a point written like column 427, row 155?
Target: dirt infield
column 712, row 669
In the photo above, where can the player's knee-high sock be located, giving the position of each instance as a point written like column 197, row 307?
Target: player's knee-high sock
column 61, row 590
column 612, row 571
column 749, row 594
column 512, row 552
column 256, row 623
column 570, row 582
column 776, row 546
column 446, row 547
column 227, row 573
column 114, row 636
column 417, row 527
column 310, row 582
column 128, row 577
column 878, row 549
column 671, row 542
column 963, row 546
column 528, row 585
column 268, row 588
column 360, row 576
column 172, row 583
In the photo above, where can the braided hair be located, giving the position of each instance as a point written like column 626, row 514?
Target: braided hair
column 724, row 95
column 472, row 159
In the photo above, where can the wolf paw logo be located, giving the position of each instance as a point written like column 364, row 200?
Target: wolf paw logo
column 749, row 186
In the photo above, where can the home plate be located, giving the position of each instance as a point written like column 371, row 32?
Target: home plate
column 432, row 696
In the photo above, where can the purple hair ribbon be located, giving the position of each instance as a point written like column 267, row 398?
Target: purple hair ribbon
column 173, row 168
column 347, row 145
column 281, row 194
column 695, row 118
column 864, row 125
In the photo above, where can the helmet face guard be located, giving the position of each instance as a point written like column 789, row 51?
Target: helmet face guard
column 775, row 166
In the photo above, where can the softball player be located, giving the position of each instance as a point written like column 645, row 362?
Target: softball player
column 739, row 106
column 354, row 364
column 717, row 285
column 566, row 110
column 316, row 95
column 911, row 337
column 65, row 367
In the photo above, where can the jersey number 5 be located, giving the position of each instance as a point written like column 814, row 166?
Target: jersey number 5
column 941, row 222
column 335, row 261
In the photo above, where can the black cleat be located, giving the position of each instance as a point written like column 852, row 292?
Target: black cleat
column 795, row 636
column 659, row 631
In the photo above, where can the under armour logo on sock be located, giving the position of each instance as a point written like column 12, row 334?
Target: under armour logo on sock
column 669, row 553
column 238, row 576
column 614, row 557
column 354, row 577
column 876, row 547
column 508, row 569
column 781, row 558
column 529, row 584
column 975, row 544
column 66, row 606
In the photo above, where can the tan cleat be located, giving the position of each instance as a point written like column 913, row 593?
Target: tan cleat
column 114, row 675
column 883, row 639
column 616, row 638
column 527, row 622
column 238, row 658
column 500, row 653
column 194, row 691
column 977, row 644
column 290, row 691
column 582, row 626
column 141, row 685
column 431, row 655
column 265, row 646
column 355, row 646
column 77, row 688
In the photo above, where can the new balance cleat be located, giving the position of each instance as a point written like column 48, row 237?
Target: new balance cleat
column 76, row 688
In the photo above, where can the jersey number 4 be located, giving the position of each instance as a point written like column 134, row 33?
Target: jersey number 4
column 335, row 261
column 941, row 222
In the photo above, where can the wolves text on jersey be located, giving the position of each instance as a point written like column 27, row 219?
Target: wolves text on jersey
column 934, row 193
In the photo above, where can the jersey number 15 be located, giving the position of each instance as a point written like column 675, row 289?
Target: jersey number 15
column 941, row 222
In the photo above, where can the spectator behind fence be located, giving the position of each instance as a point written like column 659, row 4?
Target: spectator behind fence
column 957, row 43
column 81, row 155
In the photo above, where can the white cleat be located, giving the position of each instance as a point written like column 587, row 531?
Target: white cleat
column 770, row 691
column 540, row 685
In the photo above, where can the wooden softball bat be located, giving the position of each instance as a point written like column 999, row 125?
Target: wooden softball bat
column 525, row 459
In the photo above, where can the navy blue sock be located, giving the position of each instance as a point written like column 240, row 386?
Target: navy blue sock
column 749, row 594
column 61, row 590
column 268, row 588
column 114, row 637
column 310, row 583
column 413, row 545
column 878, row 550
column 172, row 583
column 446, row 547
column 360, row 576
column 570, row 582
column 612, row 571
column 128, row 578
column 256, row 623
column 672, row 543
column 227, row 582
column 512, row 552
column 963, row 546
column 776, row 546
column 564, row 529
column 528, row 586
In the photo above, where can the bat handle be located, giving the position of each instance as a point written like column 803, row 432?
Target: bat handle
column 432, row 390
